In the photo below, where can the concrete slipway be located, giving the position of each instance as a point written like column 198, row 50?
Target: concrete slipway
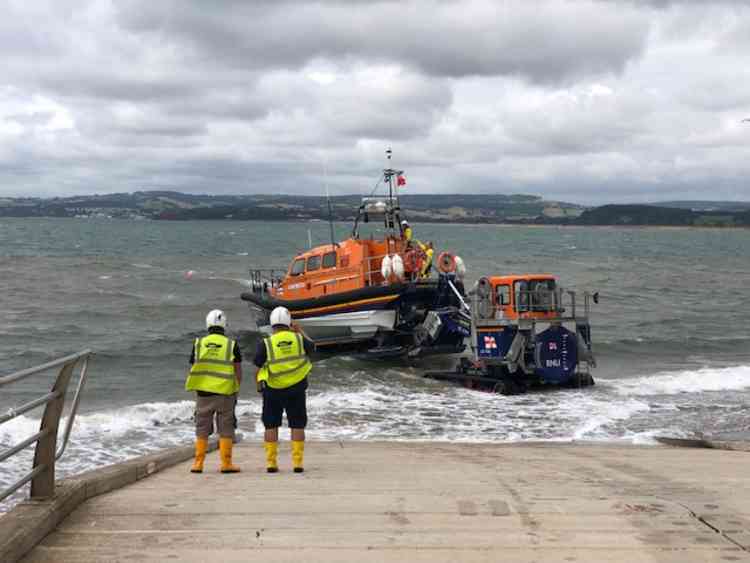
column 374, row 501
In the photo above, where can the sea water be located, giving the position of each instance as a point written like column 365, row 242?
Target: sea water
column 670, row 334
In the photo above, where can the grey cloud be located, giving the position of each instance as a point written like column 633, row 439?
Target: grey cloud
column 711, row 95
column 109, row 85
column 563, row 41
column 33, row 119
column 677, row 3
column 408, row 113
column 585, row 101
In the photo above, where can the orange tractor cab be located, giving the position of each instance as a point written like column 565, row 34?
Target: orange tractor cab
column 526, row 331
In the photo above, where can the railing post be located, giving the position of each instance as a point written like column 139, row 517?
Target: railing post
column 43, row 484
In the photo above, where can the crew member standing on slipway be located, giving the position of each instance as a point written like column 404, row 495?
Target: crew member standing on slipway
column 215, row 376
column 282, row 378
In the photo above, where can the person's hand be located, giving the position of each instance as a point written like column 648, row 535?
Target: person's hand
column 260, row 386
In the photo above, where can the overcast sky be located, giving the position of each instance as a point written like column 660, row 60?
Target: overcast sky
column 592, row 102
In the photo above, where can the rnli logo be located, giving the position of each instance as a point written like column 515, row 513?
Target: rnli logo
column 213, row 345
column 553, row 346
column 489, row 342
column 284, row 343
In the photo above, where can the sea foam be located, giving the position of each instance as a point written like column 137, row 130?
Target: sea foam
column 688, row 381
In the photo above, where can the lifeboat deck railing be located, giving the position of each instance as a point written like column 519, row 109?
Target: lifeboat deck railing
column 262, row 280
column 42, row 473
column 558, row 304
column 373, row 273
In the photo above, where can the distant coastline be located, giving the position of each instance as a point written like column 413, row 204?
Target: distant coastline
column 478, row 209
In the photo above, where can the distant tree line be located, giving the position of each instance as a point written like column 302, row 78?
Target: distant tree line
column 437, row 208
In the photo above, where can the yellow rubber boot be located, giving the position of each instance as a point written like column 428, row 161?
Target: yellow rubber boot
column 225, row 452
column 272, row 451
column 201, row 445
column 298, row 453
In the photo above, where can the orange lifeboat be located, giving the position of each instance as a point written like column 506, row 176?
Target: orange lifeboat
column 364, row 288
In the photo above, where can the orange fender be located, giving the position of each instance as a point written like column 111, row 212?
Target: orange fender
column 412, row 261
column 446, row 262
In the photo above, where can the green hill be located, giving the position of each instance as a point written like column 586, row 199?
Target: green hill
column 640, row 215
column 446, row 208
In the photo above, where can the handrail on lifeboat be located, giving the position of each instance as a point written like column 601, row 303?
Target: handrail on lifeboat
column 263, row 279
column 370, row 270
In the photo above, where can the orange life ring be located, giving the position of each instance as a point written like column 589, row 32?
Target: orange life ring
column 446, row 262
column 412, row 260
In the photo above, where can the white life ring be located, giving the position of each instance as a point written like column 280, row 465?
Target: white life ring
column 386, row 267
column 397, row 266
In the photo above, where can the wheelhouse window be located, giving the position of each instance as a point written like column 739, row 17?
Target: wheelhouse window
column 535, row 295
column 521, row 289
column 502, row 295
column 298, row 266
column 543, row 295
column 329, row 260
column 313, row 263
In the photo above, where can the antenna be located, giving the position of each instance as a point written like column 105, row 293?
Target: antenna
column 328, row 199
column 393, row 215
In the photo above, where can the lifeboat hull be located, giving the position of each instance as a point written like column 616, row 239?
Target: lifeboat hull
column 355, row 326
column 349, row 317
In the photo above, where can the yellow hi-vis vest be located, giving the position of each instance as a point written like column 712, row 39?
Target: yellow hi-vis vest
column 213, row 369
column 408, row 234
column 428, row 253
column 286, row 362
column 428, row 261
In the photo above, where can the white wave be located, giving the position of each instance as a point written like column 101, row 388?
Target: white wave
column 398, row 406
column 107, row 424
column 112, row 436
column 384, row 412
column 603, row 415
column 137, row 265
column 689, row 381
column 160, row 422
column 241, row 281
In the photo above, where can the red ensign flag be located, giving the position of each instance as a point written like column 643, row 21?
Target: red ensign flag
column 400, row 181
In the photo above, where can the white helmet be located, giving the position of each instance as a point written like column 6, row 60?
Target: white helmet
column 216, row 318
column 405, row 223
column 281, row 316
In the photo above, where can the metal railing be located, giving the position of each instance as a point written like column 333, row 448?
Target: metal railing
column 372, row 273
column 554, row 304
column 42, row 474
column 263, row 279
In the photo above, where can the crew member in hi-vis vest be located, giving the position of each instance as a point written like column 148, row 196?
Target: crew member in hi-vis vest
column 282, row 378
column 215, row 376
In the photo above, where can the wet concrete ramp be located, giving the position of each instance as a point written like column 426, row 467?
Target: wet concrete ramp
column 366, row 502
